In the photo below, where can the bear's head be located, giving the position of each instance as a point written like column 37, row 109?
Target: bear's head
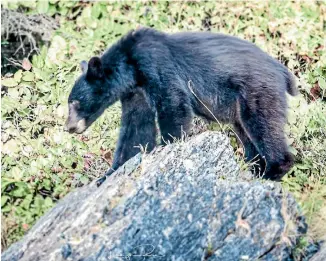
column 89, row 97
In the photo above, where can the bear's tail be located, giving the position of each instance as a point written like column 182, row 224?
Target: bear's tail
column 291, row 86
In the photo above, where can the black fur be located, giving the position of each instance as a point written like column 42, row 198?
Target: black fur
column 239, row 83
column 137, row 128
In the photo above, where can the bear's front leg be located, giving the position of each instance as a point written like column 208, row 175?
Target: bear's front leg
column 138, row 128
column 100, row 181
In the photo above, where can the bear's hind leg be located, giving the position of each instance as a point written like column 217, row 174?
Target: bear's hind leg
column 264, row 125
column 250, row 152
column 174, row 117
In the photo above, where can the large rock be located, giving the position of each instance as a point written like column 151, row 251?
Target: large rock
column 186, row 201
column 321, row 254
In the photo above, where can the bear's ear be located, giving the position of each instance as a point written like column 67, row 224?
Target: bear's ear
column 83, row 66
column 95, row 68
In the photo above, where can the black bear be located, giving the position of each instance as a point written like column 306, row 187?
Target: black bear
column 175, row 76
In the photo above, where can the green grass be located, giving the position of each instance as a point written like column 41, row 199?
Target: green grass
column 41, row 163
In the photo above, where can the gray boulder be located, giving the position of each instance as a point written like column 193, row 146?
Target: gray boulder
column 186, row 201
column 321, row 254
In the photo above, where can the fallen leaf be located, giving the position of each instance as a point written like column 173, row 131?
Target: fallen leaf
column 83, row 138
column 107, row 156
column 25, row 226
column 26, row 64
column 87, row 163
column 56, row 169
column 315, row 91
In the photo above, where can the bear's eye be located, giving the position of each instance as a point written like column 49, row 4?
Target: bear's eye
column 108, row 71
column 74, row 104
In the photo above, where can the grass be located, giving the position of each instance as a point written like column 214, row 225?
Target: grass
column 41, row 163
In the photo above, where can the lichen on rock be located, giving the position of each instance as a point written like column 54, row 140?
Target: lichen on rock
column 185, row 201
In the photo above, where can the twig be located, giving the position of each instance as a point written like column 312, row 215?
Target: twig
column 14, row 62
column 26, row 27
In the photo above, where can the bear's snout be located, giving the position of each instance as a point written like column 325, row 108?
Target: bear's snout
column 71, row 128
column 75, row 127
column 74, row 123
